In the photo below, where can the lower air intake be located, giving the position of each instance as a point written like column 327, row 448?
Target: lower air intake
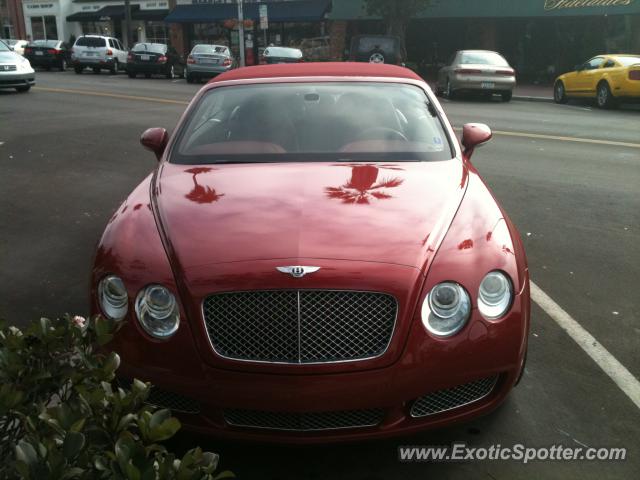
column 304, row 422
column 459, row 396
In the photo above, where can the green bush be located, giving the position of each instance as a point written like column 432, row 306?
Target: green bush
column 62, row 417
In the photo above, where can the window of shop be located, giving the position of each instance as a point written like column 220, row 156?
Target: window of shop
column 44, row 28
column 157, row 32
column 96, row 28
column 208, row 33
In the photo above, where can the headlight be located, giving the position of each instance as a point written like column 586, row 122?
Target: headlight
column 113, row 297
column 446, row 309
column 157, row 311
column 495, row 295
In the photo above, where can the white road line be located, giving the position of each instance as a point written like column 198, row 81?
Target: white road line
column 607, row 362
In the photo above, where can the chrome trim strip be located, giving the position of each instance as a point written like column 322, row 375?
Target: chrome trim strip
column 393, row 330
column 489, row 392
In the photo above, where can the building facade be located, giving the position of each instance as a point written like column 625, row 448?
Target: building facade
column 540, row 38
column 11, row 20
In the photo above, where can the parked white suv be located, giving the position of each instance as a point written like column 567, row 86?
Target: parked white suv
column 98, row 53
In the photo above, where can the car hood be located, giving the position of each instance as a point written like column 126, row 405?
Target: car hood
column 389, row 213
column 9, row 57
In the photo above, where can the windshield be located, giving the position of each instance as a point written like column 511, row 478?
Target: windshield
column 218, row 49
column 4, row 47
column 91, row 42
column 326, row 121
column 483, row 58
column 386, row 44
column 45, row 43
column 149, row 47
column 628, row 61
column 282, row 52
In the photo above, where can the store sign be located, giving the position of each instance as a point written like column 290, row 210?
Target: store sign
column 33, row 6
column 562, row 4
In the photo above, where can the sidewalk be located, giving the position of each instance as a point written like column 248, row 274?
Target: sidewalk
column 533, row 93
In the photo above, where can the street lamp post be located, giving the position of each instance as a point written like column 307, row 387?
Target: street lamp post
column 127, row 24
column 241, row 32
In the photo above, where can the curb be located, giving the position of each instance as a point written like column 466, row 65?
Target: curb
column 527, row 98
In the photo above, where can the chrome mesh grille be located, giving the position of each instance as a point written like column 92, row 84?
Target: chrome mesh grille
column 443, row 400
column 300, row 326
column 304, row 422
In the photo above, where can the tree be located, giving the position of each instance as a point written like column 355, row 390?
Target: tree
column 396, row 13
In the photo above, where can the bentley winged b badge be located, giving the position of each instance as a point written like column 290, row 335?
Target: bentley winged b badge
column 297, row 271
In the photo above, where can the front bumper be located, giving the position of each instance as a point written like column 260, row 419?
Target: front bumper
column 481, row 350
column 17, row 79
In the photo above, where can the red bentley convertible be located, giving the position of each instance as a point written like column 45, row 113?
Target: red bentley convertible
column 315, row 259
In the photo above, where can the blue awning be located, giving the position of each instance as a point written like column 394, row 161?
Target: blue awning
column 294, row 11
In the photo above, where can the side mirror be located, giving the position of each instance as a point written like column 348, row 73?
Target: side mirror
column 580, row 67
column 155, row 139
column 474, row 135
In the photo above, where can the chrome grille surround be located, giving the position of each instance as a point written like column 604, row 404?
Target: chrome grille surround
column 300, row 326
column 304, row 422
column 455, row 397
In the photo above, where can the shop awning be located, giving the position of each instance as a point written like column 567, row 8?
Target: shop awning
column 105, row 13
column 293, row 11
column 357, row 9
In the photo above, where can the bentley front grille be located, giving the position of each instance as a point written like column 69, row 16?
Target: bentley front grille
column 450, row 398
column 300, row 326
column 304, row 422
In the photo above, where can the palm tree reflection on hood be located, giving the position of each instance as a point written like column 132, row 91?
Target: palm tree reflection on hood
column 363, row 186
column 202, row 193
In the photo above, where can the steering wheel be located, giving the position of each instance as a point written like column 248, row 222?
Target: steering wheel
column 382, row 133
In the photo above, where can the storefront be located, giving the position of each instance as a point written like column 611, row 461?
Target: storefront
column 208, row 21
column 539, row 37
column 107, row 18
column 45, row 19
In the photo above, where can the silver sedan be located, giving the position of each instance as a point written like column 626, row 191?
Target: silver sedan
column 477, row 70
column 15, row 70
column 206, row 61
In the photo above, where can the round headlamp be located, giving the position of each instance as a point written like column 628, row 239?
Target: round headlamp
column 157, row 311
column 113, row 297
column 446, row 309
column 494, row 295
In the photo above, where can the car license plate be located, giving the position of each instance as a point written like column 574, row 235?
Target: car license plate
column 210, row 61
column 39, row 53
column 144, row 57
column 487, row 85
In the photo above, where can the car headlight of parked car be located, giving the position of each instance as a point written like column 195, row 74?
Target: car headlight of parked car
column 446, row 309
column 495, row 295
column 113, row 297
column 157, row 311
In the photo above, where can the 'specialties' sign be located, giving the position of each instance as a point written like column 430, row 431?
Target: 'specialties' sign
column 561, row 4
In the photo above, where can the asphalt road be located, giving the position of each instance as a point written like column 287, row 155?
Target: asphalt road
column 67, row 159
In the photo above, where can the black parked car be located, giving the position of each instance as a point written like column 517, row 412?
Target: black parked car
column 377, row 49
column 158, row 58
column 48, row 54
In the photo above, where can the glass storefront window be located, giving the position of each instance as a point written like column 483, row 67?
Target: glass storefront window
column 44, row 28
column 157, row 32
column 96, row 28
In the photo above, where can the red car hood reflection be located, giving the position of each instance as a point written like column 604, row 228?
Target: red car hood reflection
column 388, row 213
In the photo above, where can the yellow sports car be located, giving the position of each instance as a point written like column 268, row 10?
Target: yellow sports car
column 609, row 79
